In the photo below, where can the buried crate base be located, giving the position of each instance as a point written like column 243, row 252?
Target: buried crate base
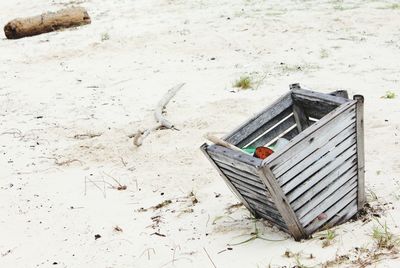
column 314, row 182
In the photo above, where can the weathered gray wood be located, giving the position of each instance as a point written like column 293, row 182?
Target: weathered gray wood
column 342, row 216
column 268, row 127
column 251, row 125
column 281, row 226
column 282, row 203
column 291, row 168
column 360, row 150
column 310, row 135
column 240, row 172
column 300, row 116
column 306, row 184
column 245, row 176
column 314, row 170
column 270, row 207
column 332, row 211
column 265, row 210
column 310, row 198
column 236, row 159
column 302, row 94
column 245, row 183
column 317, row 104
column 328, row 202
column 340, row 93
column 227, row 181
column 275, row 132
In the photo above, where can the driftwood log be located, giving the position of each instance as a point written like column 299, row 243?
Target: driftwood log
column 47, row 22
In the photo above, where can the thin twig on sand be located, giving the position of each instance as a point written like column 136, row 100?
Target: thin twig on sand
column 208, row 255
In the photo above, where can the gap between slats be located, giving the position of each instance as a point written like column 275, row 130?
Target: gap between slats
column 280, row 129
column 268, row 127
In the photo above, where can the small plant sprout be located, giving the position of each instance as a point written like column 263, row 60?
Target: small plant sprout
column 256, row 234
column 389, row 95
column 392, row 6
column 324, row 54
column 105, row 37
column 244, row 82
column 383, row 237
column 328, row 238
column 297, row 258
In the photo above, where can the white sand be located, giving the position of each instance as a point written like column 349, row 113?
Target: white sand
column 81, row 85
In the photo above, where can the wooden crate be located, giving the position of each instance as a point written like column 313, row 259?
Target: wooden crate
column 315, row 181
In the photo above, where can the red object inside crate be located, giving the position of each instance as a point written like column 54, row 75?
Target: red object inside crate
column 263, row 152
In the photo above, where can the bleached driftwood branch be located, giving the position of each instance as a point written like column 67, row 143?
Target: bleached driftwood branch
column 162, row 122
column 221, row 142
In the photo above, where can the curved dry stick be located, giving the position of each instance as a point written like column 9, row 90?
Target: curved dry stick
column 221, row 142
column 158, row 115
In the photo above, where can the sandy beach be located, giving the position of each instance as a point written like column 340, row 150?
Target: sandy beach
column 70, row 99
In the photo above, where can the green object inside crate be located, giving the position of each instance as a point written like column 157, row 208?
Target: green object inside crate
column 249, row 150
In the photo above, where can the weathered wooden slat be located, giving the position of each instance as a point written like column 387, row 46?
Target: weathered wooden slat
column 310, row 198
column 299, row 93
column 281, row 226
column 260, row 187
column 332, row 211
column 278, row 223
column 269, row 127
column 262, row 210
column 328, row 202
column 319, row 130
column 317, row 152
column 321, row 166
column 340, row 93
column 265, row 207
column 268, row 217
column 273, row 133
column 251, row 125
column 300, row 117
column 239, row 172
column 289, row 135
column 360, row 149
column 243, row 185
column 309, row 182
column 317, row 104
column 269, row 207
column 227, row 181
column 236, row 159
column 345, row 214
column 282, row 204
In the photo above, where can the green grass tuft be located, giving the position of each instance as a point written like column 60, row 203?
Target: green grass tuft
column 389, row 95
column 244, row 82
column 383, row 237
